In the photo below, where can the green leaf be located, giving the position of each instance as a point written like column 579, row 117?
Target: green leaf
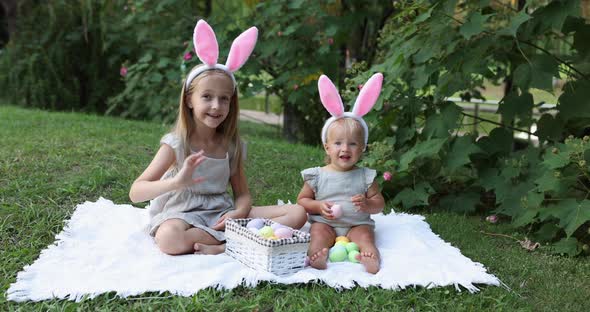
column 547, row 232
column 499, row 141
column 554, row 15
column 548, row 182
column 423, row 149
column 514, row 105
column 575, row 100
column 460, row 151
column 474, row 26
column 543, row 69
column 571, row 214
column 568, row 245
column 522, row 76
column 550, row 128
column 418, row 196
column 515, row 23
column 490, row 179
column 439, row 125
column 463, row 202
column 582, row 39
column 526, row 217
column 559, row 159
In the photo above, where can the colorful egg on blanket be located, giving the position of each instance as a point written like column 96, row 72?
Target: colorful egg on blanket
column 283, row 232
column 342, row 238
column 336, row 211
column 341, row 243
column 253, row 230
column 351, row 247
column 338, row 254
column 255, row 223
column 266, row 232
column 352, row 256
column 276, row 226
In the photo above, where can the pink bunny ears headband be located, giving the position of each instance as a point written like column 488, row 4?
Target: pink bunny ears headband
column 364, row 102
column 207, row 50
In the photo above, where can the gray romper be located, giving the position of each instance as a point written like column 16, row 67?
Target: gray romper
column 338, row 188
column 199, row 205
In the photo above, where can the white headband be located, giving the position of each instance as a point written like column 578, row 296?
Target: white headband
column 364, row 102
column 203, row 68
column 207, row 50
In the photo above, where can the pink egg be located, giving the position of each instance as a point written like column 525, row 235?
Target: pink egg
column 276, row 225
column 337, row 211
column 283, row 232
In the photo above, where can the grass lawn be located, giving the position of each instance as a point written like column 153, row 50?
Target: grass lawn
column 49, row 162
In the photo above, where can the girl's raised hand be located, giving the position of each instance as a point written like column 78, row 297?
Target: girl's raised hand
column 184, row 178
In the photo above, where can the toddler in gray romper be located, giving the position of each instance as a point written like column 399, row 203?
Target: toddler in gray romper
column 337, row 187
column 199, row 205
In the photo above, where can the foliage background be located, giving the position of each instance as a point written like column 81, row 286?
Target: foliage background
column 128, row 57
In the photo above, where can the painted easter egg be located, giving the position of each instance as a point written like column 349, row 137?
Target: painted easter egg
column 283, row 232
column 255, row 223
column 337, row 211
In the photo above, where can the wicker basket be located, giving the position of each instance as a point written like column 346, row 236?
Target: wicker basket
column 281, row 256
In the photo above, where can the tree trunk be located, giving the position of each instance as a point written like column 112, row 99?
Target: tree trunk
column 8, row 8
column 290, row 121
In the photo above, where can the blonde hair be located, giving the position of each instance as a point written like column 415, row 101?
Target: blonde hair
column 185, row 124
column 352, row 127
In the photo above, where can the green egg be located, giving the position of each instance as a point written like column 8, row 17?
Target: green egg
column 352, row 246
column 352, row 256
column 338, row 254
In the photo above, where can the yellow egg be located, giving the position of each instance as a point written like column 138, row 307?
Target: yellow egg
column 342, row 238
column 273, row 237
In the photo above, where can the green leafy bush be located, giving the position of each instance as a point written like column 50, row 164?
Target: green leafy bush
column 432, row 50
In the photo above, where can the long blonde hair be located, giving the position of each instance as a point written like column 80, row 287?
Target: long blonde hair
column 185, row 124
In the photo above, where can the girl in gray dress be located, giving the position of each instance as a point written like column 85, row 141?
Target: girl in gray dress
column 188, row 178
column 341, row 182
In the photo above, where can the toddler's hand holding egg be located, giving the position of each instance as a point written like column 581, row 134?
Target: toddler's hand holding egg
column 336, row 211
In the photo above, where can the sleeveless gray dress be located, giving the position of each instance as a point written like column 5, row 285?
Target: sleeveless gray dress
column 199, row 205
column 338, row 188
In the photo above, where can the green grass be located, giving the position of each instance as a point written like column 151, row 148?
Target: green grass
column 258, row 103
column 49, row 162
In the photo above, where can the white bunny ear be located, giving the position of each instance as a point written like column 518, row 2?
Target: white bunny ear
column 205, row 43
column 241, row 49
column 368, row 95
column 330, row 97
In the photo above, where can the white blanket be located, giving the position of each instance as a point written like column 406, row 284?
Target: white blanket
column 105, row 248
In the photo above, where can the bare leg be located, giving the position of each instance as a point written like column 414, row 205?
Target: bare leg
column 170, row 237
column 176, row 237
column 364, row 237
column 204, row 249
column 322, row 238
column 289, row 215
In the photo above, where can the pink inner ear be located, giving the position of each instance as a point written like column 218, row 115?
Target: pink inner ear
column 368, row 95
column 241, row 49
column 205, row 43
column 330, row 97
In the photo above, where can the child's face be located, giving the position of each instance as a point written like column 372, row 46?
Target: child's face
column 343, row 147
column 210, row 102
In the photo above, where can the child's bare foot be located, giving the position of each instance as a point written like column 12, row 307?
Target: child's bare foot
column 202, row 249
column 319, row 259
column 369, row 260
